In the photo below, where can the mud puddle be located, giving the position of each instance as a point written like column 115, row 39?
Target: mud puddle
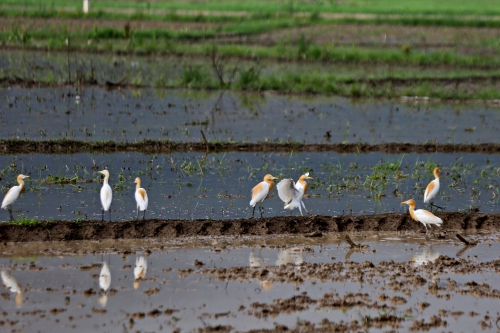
column 217, row 186
column 137, row 114
column 303, row 284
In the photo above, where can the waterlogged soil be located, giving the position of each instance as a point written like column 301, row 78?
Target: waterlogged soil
column 314, row 226
column 254, row 284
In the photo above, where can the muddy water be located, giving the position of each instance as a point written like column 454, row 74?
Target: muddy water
column 217, row 186
column 247, row 284
column 179, row 115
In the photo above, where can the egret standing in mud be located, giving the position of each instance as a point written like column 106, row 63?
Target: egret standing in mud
column 423, row 216
column 141, row 198
column 432, row 190
column 261, row 191
column 13, row 194
column 292, row 193
column 106, row 194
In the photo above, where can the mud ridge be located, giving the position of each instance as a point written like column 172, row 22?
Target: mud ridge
column 65, row 146
column 281, row 225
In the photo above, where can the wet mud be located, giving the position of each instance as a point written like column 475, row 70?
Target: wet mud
column 65, row 146
column 282, row 225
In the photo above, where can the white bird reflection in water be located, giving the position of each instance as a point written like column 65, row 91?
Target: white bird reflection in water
column 256, row 261
column 290, row 256
column 424, row 257
column 104, row 283
column 11, row 283
column 140, row 269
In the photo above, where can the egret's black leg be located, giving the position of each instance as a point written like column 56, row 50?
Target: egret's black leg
column 253, row 212
column 10, row 212
column 102, row 219
column 110, row 215
column 137, row 216
column 144, row 216
column 433, row 205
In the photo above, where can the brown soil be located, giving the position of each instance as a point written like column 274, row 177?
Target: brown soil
column 170, row 229
column 16, row 146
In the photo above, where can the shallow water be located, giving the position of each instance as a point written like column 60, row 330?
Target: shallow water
column 217, row 186
column 179, row 115
column 61, row 289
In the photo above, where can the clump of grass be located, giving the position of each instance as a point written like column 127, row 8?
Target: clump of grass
column 24, row 221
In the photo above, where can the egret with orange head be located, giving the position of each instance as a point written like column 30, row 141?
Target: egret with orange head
column 432, row 190
column 261, row 191
column 106, row 194
column 423, row 216
column 141, row 198
column 13, row 194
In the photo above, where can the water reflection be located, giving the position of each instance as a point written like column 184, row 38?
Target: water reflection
column 104, row 283
column 256, row 261
column 425, row 257
column 11, row 284
column 140, row 269
column 290, row 256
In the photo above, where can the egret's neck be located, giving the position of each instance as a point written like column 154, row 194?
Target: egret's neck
column 21, row 184
column 304, row 186
column 412, row 212
column 106, row 180
column 138, row 186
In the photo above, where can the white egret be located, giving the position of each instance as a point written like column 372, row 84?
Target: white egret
column 292, row 193
column 106, row 194
column 141, row 198
column 13, row 194
column 261, row 191
column 432, row 190
column 422, row 215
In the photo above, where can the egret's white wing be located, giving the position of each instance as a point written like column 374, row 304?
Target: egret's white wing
column 259, row 193
column 431, row 190
column 427, row 217
column 106, row 196
column 11, row 196
column 286, row 190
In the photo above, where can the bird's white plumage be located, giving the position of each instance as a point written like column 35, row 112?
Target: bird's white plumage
column 431, row 191
column 105, row 277
column 262, row 194
column 142, row 202
column 11, row 196
column 10, row 282
column 141, row 267
column 106, row 192
column 427, row 218
column 290, row 256
column 289, row 194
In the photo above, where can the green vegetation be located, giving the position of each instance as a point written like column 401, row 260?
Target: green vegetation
column 423, row 49
column 24, row 221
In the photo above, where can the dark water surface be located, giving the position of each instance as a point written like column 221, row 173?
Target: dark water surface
column 194, row 186
column 179, row 115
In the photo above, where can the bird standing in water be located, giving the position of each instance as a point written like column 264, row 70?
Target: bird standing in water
column 432, row 190
column 106, row 194
column 423, row 216
column 292, row 193
column 261, row 191
column 141, row 198
column 13, row 194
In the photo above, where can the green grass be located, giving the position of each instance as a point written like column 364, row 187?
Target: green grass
column 444, row 7
column 24, row 221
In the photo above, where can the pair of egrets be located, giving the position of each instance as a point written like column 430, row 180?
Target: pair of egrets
column 141, row 197
column 290, row 193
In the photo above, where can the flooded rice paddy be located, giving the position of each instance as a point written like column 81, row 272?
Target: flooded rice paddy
column 398, row 282
column 217, row 186
column 129, row 115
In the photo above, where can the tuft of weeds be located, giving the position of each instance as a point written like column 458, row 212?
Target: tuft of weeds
column 24, row 221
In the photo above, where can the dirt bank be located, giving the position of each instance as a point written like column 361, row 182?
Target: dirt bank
column 170, row 229
column 17, row 146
